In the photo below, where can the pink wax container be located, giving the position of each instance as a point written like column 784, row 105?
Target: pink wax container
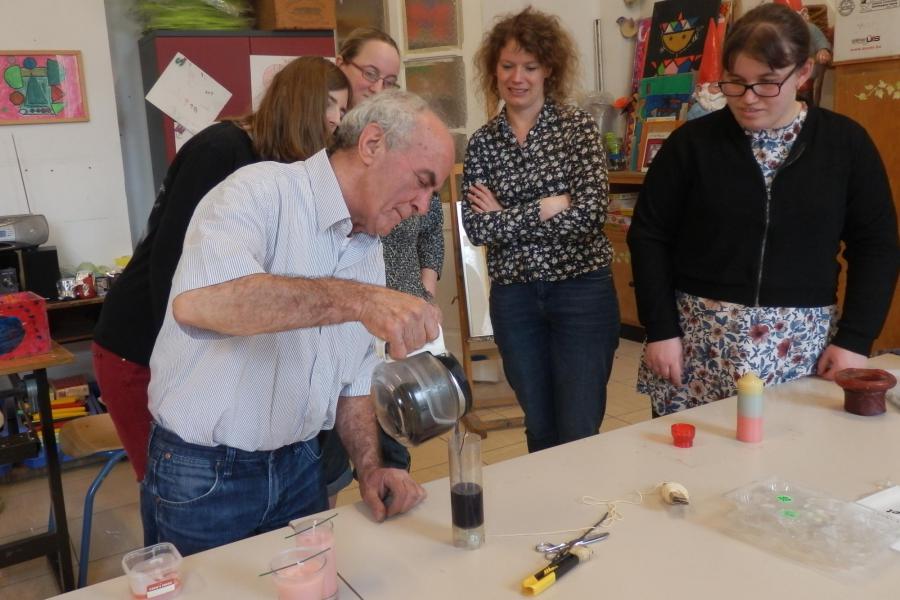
column 319, row 536
column 154, row 572
column 299, row 575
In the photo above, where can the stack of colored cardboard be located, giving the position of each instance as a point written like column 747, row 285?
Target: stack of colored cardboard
column 68, row 400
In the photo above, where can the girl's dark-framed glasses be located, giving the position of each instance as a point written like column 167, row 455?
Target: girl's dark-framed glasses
column 763, row 89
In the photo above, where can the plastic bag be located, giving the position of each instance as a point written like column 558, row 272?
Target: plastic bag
column 812, row 527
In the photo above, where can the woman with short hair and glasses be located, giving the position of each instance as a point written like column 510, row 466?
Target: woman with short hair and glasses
column 736, row 234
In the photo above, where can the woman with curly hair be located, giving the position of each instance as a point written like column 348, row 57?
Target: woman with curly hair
column 536, row 193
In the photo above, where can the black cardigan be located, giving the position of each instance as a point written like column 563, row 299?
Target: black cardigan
column 135, row 306
column 703, row 225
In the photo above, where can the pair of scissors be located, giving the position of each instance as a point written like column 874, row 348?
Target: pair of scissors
column 563, row 549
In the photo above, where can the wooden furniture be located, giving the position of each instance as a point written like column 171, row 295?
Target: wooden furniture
column 472, row 346
column 879, row 115
column 620, row 182
column 73, row 320
column 653, row 551
column 54, row 544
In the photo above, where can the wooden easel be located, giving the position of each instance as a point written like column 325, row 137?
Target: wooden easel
column 470, row 345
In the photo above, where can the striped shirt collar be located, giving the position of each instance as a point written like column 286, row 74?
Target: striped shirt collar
column 331, row 208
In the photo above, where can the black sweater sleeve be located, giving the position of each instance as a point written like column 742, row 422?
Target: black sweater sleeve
column 870, row 237
column 651, row 238
column 201, row 169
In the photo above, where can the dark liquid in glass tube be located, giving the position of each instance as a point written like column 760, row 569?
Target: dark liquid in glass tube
column 467, row 505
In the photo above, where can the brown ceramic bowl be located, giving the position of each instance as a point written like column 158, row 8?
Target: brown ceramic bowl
column 864, row 390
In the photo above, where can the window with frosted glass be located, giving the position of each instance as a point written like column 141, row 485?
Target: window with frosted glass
column 432, row 24
column 459, row 146
column 359, row 13
column 442, row 82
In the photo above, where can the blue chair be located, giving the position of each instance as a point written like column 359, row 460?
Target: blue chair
column 93, row 435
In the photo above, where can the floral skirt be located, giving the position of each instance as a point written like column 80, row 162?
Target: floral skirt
column 723, row 340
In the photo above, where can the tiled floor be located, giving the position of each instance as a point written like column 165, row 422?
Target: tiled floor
column 117, row 529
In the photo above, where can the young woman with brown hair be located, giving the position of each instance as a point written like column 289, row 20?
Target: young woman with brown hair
column 736, row 233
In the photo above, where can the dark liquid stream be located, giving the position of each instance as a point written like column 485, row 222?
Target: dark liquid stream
column 467, row 505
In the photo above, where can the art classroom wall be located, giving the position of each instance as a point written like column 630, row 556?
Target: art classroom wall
column 578, row 16
column 72, row 171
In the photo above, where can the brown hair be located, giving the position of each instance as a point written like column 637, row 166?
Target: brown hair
column 770, row 33
column 352, row 45
column 537, row 33
column 289, row 124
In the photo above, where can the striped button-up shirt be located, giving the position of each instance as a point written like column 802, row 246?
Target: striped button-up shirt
column 265, row 391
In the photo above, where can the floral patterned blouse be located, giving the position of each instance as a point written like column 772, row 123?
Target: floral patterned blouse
column 414, row 244
column 563, row 153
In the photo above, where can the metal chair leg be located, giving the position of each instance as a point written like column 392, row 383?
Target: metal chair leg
column 84, row 557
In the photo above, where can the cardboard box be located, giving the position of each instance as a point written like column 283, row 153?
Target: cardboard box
column 68, row 388
column 295, row 14
column 24, row 330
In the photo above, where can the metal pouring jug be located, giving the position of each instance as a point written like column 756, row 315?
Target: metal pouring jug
column 422, row 395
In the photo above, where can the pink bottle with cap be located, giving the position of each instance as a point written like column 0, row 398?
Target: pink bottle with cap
column 750, row 408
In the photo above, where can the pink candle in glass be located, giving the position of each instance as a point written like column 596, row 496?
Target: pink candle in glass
column 316, row 539
column 302, row 580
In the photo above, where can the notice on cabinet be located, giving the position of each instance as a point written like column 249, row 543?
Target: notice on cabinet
column 188, row 94
column 866, row 29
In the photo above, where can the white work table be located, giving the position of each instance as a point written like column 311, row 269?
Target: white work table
column 656, row 551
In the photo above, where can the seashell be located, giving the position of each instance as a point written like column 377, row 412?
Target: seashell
column 674, row 493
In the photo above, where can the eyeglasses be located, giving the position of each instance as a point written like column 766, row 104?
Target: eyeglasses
column 763, row 89
column 373, row 75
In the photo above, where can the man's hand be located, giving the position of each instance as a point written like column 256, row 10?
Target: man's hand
column 389, row 492
column 665, row 359
column 834, row 359
column 405, row 322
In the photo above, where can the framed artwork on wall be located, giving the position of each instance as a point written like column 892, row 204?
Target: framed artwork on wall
column 442, row 83
column 42, row 86
column 432, row 24
column 653, row 134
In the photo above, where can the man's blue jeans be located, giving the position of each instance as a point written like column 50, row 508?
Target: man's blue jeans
column 557, row 340
column 200, row 497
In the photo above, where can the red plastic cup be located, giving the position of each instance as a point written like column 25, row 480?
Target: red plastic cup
column 683, row 435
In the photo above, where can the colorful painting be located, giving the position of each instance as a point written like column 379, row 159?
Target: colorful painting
column 432, row 24
column 42, row 86
column 677, row 34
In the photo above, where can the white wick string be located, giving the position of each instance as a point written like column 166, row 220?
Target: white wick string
column 613, row 514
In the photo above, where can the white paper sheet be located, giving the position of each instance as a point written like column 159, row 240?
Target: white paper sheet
column 188, row 94
column 886, row 501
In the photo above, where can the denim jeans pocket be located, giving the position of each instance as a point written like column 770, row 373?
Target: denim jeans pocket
column 182, row 480
column 310, row 450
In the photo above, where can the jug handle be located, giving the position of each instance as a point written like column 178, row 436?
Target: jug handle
column 435, row 346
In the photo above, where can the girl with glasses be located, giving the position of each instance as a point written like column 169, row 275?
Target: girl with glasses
column 736, row 234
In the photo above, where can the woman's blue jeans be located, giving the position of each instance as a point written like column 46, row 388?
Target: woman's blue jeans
column 200, row 497
column 557, row 340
